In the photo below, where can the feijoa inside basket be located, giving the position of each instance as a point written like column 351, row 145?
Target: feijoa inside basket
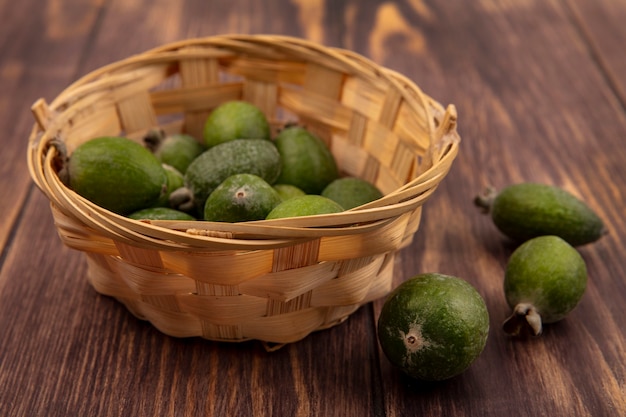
column 274, row 281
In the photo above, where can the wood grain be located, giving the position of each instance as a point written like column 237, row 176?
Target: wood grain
column 539, row 87
column 601, row 27
column 37, row 59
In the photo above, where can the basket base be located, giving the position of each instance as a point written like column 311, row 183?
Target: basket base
column 167, row 312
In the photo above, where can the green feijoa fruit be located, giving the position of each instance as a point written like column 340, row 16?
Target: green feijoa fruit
column 117, row 173
column 240, row 156
column 351, row 192
column 545, row 278
column 235, row 120
column 176, row 150
column 306, row 205
column 175, row 180
column 526, row 210
column 433, row 326
column 241, row 197
column 287, row 191
column 160, row 213
column 307, row 162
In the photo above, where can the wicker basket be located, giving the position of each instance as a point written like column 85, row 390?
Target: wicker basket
column 274, row 281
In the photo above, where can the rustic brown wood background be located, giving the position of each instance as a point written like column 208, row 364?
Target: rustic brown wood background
column 540, row 87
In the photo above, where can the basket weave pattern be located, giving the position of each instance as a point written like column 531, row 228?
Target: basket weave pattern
column 275, row 281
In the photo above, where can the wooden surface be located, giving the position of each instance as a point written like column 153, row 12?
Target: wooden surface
column 540, row 87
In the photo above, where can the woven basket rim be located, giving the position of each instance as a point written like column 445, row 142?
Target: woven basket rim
column 167, row 235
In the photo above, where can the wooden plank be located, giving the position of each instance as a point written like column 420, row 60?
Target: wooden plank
column 42, row 45
column 68, row 351
column 119, row 365
column 532, row 107
column 601, row 26
column 534, row 104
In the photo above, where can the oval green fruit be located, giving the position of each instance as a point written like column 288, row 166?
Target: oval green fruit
column 175, row 180
column 176, row 150
column 307, row 162
column 235, row 120
column 241, row 197
column 240, row 156
column 160, row 213
column 117, row 174
column 545, row 279
column 433, row 326
column 306, row 205
column 351, row 192
column 287, row 191
column 527, row 210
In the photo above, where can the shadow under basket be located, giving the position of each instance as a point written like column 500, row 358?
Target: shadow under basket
column 275, row 281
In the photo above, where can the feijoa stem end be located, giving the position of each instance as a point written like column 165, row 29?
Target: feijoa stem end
column 61, row 160
column 485, row 200
column 182, row 199
column 525, row 319
column 154, row 138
